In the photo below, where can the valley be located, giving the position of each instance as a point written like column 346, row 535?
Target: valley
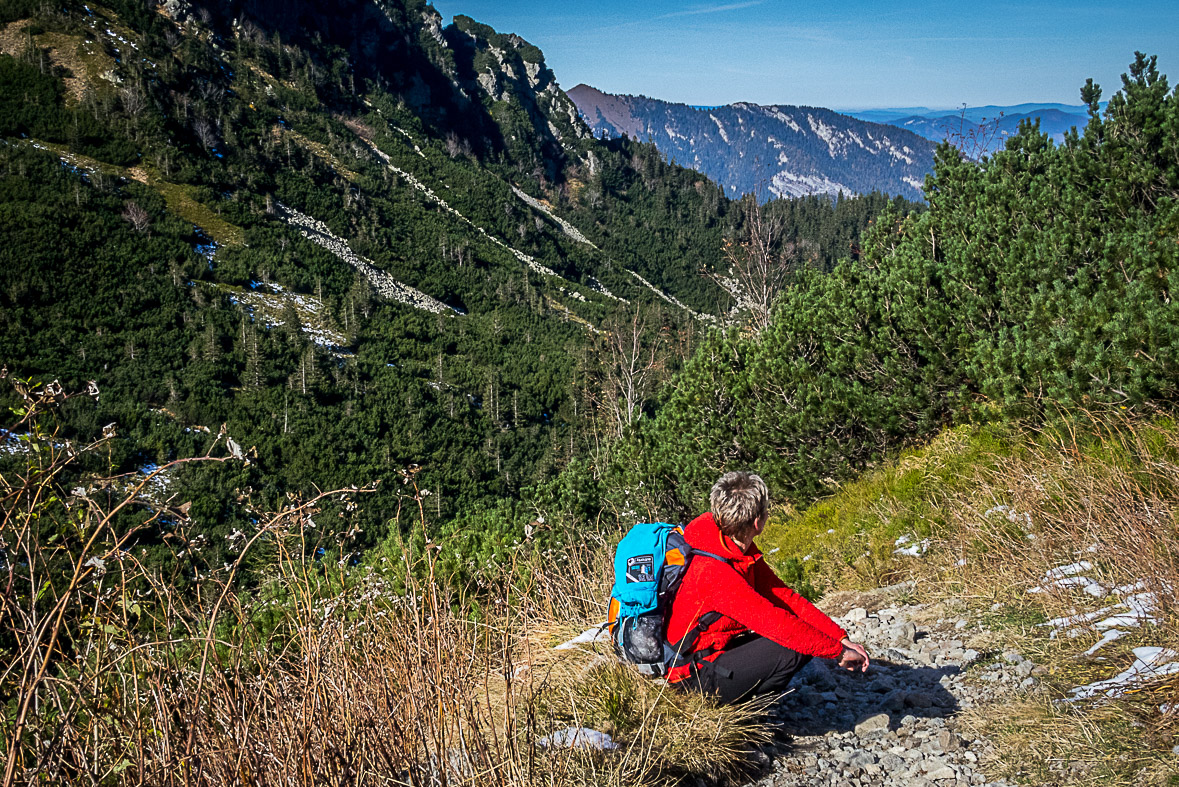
column 339, row 345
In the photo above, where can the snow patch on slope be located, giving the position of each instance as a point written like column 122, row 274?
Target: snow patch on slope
column 828, row 134
column 267, row 302
column 904, row 154
column 788, row 184
column 1149, row 664
column 527, row 259
column 671, row 299
column 785, row 119
column 720, row 127
column 317, row 232
column 565, row 226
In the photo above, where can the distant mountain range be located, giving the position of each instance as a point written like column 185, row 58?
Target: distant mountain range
column 979, row 130
column 781, row 151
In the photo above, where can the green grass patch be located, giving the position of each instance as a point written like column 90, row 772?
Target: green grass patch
column 847, row 541
column 181, row 202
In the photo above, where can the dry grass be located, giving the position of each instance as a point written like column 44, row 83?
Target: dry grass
column 181, row 202
column 86, row 64
column 311, row 671
column 317, row 149
column 1043, row 742
column 847, row 541
column 1109, row 496
column 1106, row 493
column 1000, row 507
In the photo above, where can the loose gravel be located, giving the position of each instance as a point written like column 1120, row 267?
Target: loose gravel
column 896, row 724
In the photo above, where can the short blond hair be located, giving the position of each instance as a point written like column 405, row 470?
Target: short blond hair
column 738, row 500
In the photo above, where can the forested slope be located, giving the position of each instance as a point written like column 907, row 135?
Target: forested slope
column 1039, row 284
column 361, row 240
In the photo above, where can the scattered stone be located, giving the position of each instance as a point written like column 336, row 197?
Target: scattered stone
column 879, row 721
column 896, row 724
column 941, row 772
column 904, row 635
column 861, row 759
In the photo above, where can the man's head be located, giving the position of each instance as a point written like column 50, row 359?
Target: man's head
column 738, row 501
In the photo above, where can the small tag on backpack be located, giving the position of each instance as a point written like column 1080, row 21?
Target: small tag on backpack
column 640, row 568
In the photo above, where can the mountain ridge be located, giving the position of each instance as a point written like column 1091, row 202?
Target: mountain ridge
column 801, row 150
column 982, row 130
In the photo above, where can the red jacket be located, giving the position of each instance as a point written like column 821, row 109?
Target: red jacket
column 749, row 596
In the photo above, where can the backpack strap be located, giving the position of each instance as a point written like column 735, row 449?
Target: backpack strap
column 678, row 654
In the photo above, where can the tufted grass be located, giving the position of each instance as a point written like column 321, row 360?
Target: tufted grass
column 1001, row 506
column 320, row 672
column 847, row 541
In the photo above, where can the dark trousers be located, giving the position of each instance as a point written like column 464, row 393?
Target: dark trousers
column 754, row 666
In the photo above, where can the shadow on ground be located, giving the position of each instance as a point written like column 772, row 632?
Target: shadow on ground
column 827, row 699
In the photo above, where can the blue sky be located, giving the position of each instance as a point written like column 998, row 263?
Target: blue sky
column 836, row 53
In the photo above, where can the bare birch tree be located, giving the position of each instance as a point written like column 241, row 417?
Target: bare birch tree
column 633, row 363
column 136, row 216
column 206, row 132
column 758, row 265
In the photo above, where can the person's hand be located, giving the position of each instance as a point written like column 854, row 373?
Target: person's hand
column 854, row 657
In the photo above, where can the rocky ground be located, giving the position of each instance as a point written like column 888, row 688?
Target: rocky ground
column 896, row 724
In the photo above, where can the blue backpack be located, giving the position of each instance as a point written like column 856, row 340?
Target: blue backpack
column 649, row 565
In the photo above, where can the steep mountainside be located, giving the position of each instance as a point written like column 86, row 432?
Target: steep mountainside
column 777, row 150
column 359, row 238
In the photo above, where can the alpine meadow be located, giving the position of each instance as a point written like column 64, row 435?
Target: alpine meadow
column 337, row 353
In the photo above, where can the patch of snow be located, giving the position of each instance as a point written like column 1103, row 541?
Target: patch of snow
column 1131, row 612
column 317, row 232
column 431, row 196
column 905, row 154
column 1095, row 589
column 1106, row 638
column 1149, row 663
column 600, row 288
column 917, row 550
column 584, row 638
column 578, row 737
column 574, row 294
column 829, row 134
column 1083, row 617
column 671, row 299
column 1070, row 570
column 565, row 226
column 720, row 127
column 788, row 184
column 785, row 119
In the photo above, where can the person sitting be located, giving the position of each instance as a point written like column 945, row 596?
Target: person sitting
column 741, row 630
